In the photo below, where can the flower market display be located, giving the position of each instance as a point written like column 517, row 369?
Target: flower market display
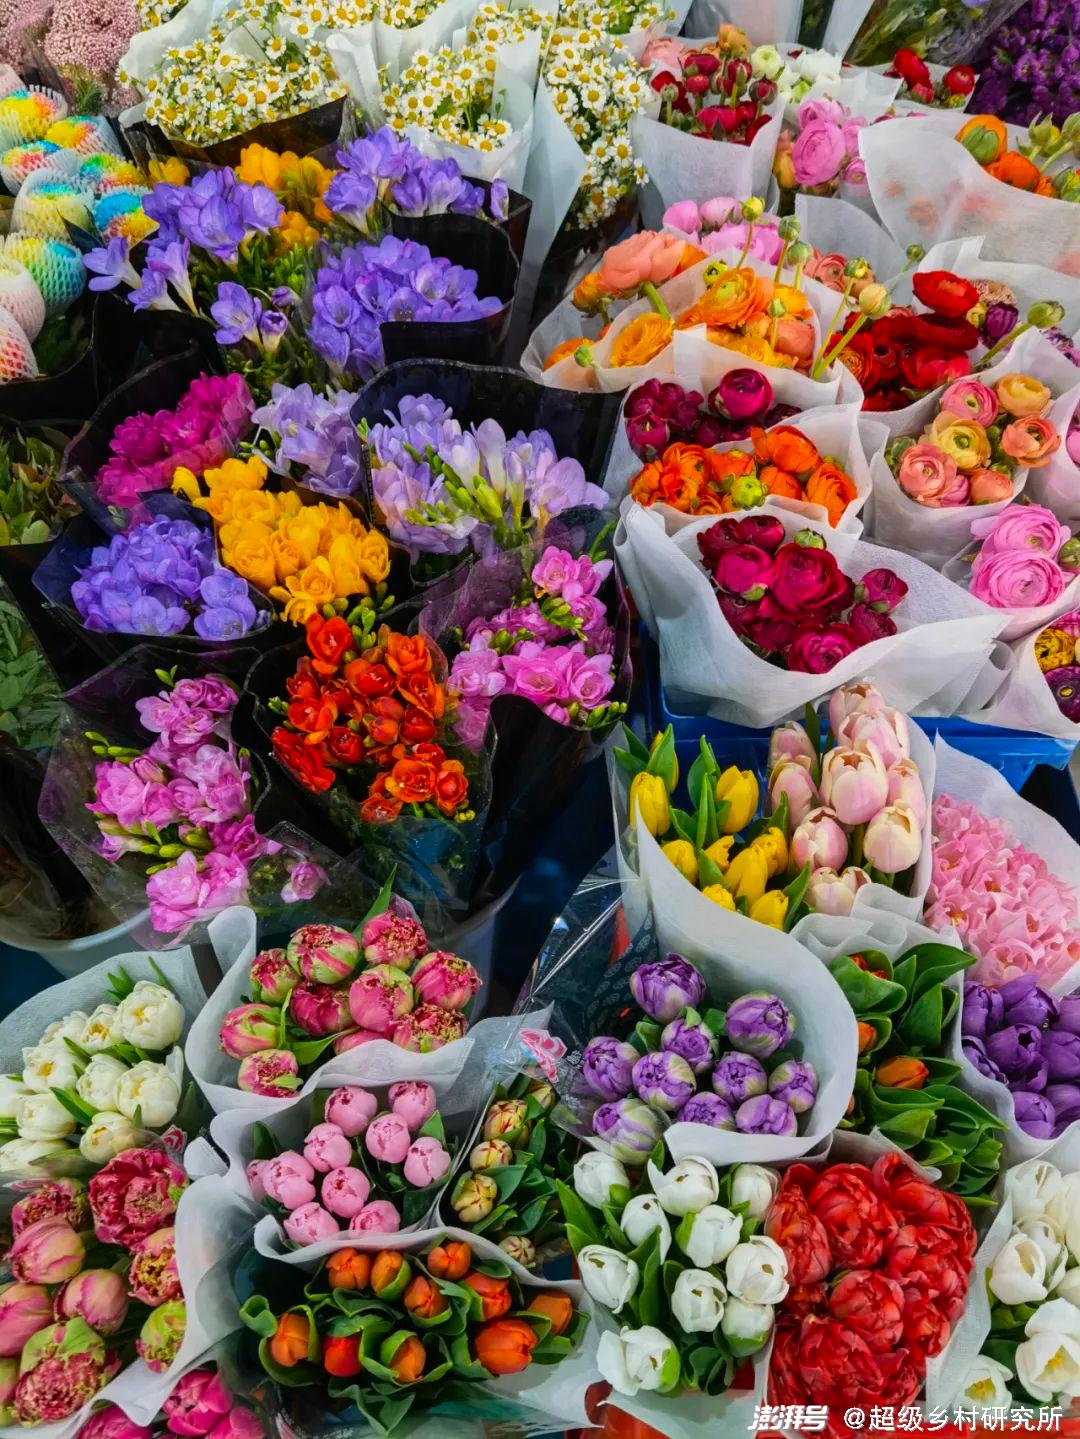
column 539, row 601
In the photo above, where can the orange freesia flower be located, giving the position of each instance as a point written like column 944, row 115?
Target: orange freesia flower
column 832, row 488
column 640, row 341
column 787, row 448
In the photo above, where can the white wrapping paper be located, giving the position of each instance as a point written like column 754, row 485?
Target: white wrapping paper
column 765, row 22
column 1029, row 283
column 1024, row 699
column 1057, row 485
column 689, row 167
column 943, row 631
column 836, row 227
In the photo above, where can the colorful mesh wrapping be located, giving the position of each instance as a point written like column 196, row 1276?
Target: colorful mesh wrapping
column 85, row 134
column 26, row 115
column 20, row 296
column 121, row 213
column 46, row 206
column 20, row 162
column 16, row 353
column 57, row 269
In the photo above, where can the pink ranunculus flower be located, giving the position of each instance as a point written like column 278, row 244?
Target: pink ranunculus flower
column 821, row 110
column 683, row 216
column 198, row 1400
column 1013, row 581
column 1031, row 441
column 818, row 153
column 1024, row 528
column 765, row 242
column 971, row 400
column 718, row 210
column 648, row 256
column 925, row 473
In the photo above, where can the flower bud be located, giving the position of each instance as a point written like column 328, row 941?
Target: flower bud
column 506, row 1119
column 272, row 976
column 856, row 268
column 491, row 1154
column 520, row 1248
column 46, row 1252
column 474, row 1198
column 754, row 207
column 274, row 1073
column 681, row 853
column 1045, row 314
column 161, row 1336
column 649, row 799
column 390, row 1274
column 97, row 1295
column 24, row 1309
column 874, row 301
column 250, row 1029
column 809, row 540
column 324, row 953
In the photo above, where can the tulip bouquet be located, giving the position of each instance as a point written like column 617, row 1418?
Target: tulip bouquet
column 509, row 1191
column 660, row 413
column 1055, row 653
column 906, row 1084
column 97, row 1080
column 951, row 91
column 822, row 156
column 677, row 1259
column 394, row 1331
column 879, row 1263
column 200, row 1404
column 94, row 1285
column 362, row 1167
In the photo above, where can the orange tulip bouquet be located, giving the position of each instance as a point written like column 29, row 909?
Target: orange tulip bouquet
column 381, row 1334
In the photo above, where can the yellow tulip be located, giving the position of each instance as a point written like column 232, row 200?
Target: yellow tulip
column 720, row 851
column 739, row 787
column 770, row 909
column 670, row 775
column 748, row 874
column 681, row 854
column 649, row 797
column 719, row 894
column 773, row 845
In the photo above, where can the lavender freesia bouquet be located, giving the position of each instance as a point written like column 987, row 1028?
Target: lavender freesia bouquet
column 304, row 430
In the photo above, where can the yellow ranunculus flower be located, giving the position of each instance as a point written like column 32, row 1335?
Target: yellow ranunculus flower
column 773, row 845
column 253, row 559
column 1022, row 395
column 649, row 797
column 375, row 556
column 739, row 787
column 720, row 851
column 344, row 560
column 964, row 441
column 185, row 483
column 770, row 909
column 748, row 874
column 681, row 854
column 719, row 894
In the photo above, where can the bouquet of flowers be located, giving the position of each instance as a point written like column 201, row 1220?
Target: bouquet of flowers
column 361, row 1168
column 713, row 94
column 718, row 224
column 822, row 156
column 335, row 988
column 200, row 1403
column 879, row 1263
column 1055, row 653
column 96, row 1081
column 394, row 1331
column 1026, row 562
column 1026, row 66
column 678, row 1259
column 948, row 92
column 661, row 413
column 946, row 32
column 32, row 505
column 986, row 137
column 310, row 437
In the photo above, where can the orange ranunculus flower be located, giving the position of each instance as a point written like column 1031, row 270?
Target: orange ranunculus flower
column 732, row 299
column 412, row 781
column 556, row 1306
column 495, row 1297
column 290, row 1343
column 649, row 257
column 1015, row 170
column 451, row 786
column 589, row 295
column 780, row 483
column 408, row 1360
column 831, row 487
column 794, row 338
column 423, row 1298
column 645, row 486
column 993, row 127
column 348, row 1269
column 903, row 1072
column 691, row 256
column 787, row 448
column 683, row 475
column 450, row 1260
column 1030, row 441
column 407, row 654
column 867, row 1036
column 505, row 1346
column 641, row 340
column 565, row 350
column 754, row 347
column 793, row 300
column 1022, row 394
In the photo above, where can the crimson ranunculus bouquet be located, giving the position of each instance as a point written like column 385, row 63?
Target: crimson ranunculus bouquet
column 661, row 413
column 950, row 92
column 879, row 1263
column 714, row 96
column 789, row 601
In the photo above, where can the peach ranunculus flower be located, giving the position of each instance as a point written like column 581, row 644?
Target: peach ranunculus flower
column 647, row 258
column 1030, row 441
column 641, row 340
column 1022, row 394
column 964, row 441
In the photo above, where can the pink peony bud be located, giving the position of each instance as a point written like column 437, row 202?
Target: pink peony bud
column 378, row 1217
column 792, row 777
column 60, row 1370
column 326, row 1148
column 379, row 997
column 288, row 1179
column 197, row 1402
column 161, row 1336
column 24, row 1309
column 100, row 1297
column 832, row 893
column 442, row 978
column 351, row 1108
column 893, row 839
column 392, row 938
column 153, row 1277
column 250, row 1029
column 254, row 1178
column 272, row 976
column 906, row 787
column 426, row 1163
column 387, row 1138
column 853, row 785
column 324, row 953
column 414, row 1101
column 345, row 1191
column 275, row 1073
column 860, row 698
column 319, row 1010
column 819, row 841
column 886, row 731
column 112, row 1423
column 429, row 1028
column 46, row 1252
column 310, row 1223
column 354, row 1039
column 240, row 1423
column 57, row 1199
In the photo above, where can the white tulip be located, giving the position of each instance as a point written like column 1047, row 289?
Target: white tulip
column 754, row 1186
column 1059, row 1316
column 756, row 1271
column 105, row 1136
column 1062, row 1198
column 987, row 1384
column 99, row 1032
column 99, row 1082
column 642, row 1217
column 746, row 1327
column 42, row 1116
column 609, row 1277
column 1018, row 1274
column 49, row 1066
column 697, row 1301
column 1033, row 1187
column 11, row 1091
column 1051, row 1241
column 70, row 1027
column 1064, row 1210
column 1068, row 1286
column 149, row 1094
column 151, row 1017
column 595, row 1175
column 637, row 1359
column 687, row 1187
column 1048, row 1365
column 21, row 1156
column 709, row 1236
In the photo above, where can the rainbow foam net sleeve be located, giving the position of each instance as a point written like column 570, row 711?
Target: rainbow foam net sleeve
column 20, row 162
column 27, row 115
column 16, row 353
column 20, row 296
column 57, row 269
column 102, row 173
column 121, row 213
column 85, row 134
column 46, row 206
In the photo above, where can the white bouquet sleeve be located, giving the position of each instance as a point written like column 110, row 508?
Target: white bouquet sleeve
column 940, row 626
column 1057, row 485
column 1029, row 283
column 764, row 22
column 1024, row 700
column 836, row 227
column 689, row 167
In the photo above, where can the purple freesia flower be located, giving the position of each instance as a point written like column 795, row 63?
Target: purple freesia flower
column 236, row 313
column 111, row 265
column 315, row 433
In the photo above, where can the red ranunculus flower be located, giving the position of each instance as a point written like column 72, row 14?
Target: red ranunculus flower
column 926, row 1330
column 943, row 332
column 724, row 535
column 816, row 649
column 305, row 762
column 793, row 1226
column 944, row 293
column 858, row 355
column 869, row 625
column 960, row 80
column 926, row 1258
column 742, row 570
column 806, row 579
column 911, row 68
column 872, row 1304
column 926, row 368
column 328, row 640
column 859, row 1225
column 344, row 746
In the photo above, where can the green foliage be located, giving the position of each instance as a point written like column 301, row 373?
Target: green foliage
column 29, row 695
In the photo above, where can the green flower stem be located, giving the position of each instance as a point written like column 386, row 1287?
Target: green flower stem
column 651, row 293
column 845, row 340
column 1005, row 341
column 845, row 296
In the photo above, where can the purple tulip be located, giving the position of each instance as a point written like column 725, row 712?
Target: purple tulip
column 795, row 1083
column 1066, row 1101
column 607, row 1066
column 1061, row 1050
column 666, row 988
column 707, row 1109
column 1017, row 1051
column 664, row 1080
column 1034, row 1114
column 759, row 1023
column 630, row 1127
column 1069, row 1013
column 765, row 1115
column 975, row 1052
column 984, row 1009
column 1026, row 1003
column 738, row 1077
column 689, row 1037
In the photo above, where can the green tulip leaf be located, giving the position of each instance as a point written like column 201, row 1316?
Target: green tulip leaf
column 864, row 991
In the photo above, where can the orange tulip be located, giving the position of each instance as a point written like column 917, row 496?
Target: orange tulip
column 408, row 1360
column 385, row 1270
column 867, row 1036
column 423, row 1298
column 290, row 1343
column 556, row 1306
column 504, row 1346
column 348, row 1269
column 832, row 488
column 450, row 1260
column 494, row 1293
column 341, row 1355
column 903, row 1072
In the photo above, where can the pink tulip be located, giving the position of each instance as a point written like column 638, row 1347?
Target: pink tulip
column 378, row 1217
column 819, row 841
column 887, row 731
column 274, row 1073
column 860, row 698
column 832, row 893
column 789, row 741
column 351, row 1108
column 197, row 1402
column 345, row 1191
column 893, row 839
column 426, row 1163
column 111, row 1423
column 46, row 1252
column 24, row 1309
column 326, row 1148
column 906, row 787
column 387, row 1138
column 354, row 1039
column 413, row 1101
column 254, row 1178
column 792, row 778
column 393, row 938
column 379, row 997
column 442, row 978
column 310, row 1223
column 97, row 1295
column 287, row 1179
column 853, row 784
column 319, row 1009
column 250, row 1029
